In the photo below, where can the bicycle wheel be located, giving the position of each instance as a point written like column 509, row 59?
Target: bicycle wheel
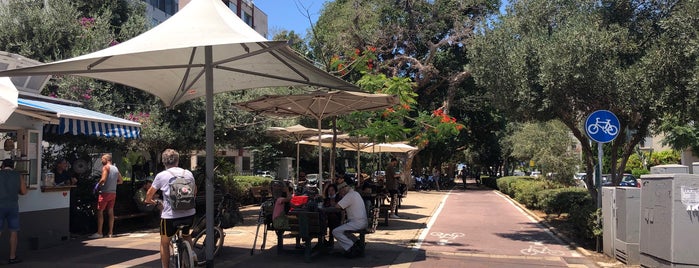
column 186, row 253
column 200, row 240
column 174, row 256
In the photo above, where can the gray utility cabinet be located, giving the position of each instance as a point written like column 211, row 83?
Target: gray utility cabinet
column 628, row 217
column 608, row 220
column 669, row 231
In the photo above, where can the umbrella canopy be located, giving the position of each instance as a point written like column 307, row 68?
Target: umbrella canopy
column 203, row 49
column 319, row 105
column 169, row 60
column 296, row 133
column 8, row 98
column 389, row 148
column 345, row 141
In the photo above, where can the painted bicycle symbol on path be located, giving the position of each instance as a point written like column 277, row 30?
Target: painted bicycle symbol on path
column 539, row 248
column 445, row 237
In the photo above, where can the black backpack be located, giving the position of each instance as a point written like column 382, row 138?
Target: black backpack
column 182, row 196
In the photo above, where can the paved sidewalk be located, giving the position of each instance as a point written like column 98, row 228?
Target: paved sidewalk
column 140, row 249
column 390, row 246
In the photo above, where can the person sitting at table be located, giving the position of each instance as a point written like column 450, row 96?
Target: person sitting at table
column 334, row 219
column 353, row 204
column 62, row 174
column 140, row 198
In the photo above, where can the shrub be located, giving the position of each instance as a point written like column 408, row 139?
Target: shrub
column 504, row 184
column 562, row 200
column 585, row 220
column 525, row 191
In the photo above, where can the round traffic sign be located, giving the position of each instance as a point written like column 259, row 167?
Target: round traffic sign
column 602, row 126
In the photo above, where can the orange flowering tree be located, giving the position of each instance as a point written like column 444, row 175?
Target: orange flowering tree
column 404, row 122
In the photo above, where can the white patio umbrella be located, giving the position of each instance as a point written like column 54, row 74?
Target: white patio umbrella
column 203, row 49
column 319, row 105
column 346, row 141
column 297, row 133
column 396, row 147
column 8, row 98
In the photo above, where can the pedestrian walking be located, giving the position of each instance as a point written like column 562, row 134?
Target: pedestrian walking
column 11, row 186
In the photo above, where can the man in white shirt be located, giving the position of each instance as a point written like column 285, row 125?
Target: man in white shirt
column 170, row 218
column 353, row 204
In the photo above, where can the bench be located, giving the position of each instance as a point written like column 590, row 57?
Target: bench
column 303, row 225
column 362, row 241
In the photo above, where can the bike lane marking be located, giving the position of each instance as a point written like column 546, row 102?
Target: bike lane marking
column 561, row 243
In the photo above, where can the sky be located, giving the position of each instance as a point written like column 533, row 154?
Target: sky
column 289, row 14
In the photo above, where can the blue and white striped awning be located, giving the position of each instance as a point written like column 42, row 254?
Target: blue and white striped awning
column 80, row 121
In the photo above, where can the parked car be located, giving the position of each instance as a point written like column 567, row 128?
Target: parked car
column 265, row 173
column 627, row 180
column 535, row 174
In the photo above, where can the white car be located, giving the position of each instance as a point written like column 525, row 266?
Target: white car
column 535, row 174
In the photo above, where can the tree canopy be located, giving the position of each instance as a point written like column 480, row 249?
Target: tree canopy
column 565, row 59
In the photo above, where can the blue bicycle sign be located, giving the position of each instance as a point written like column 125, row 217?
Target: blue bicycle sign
column 602, row 126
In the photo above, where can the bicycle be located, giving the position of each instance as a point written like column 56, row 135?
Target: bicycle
column 181, row 252
column 227, row 205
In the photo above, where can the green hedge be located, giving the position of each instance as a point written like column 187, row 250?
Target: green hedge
column 562, row 200
column 554, row 198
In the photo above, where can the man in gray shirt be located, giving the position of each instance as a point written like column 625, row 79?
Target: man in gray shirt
column 107, row 197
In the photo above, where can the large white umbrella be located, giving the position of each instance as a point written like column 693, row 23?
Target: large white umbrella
column 319, row 105
column 297, row 133
column 396, row 147
column 203, row 49
column 8, row 98
column 345, row 141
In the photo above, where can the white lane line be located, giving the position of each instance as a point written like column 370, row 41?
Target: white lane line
column 426, row 230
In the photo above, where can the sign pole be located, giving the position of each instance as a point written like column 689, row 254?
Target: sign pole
column 598, row 178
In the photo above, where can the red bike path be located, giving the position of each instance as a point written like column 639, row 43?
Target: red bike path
column 484, row 228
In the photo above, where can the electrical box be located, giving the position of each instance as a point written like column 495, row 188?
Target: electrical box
column 669, row 169
column 608, row 220
column 669, row 220
column 628, row 217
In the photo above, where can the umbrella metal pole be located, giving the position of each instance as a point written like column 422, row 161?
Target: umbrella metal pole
column 209, row 76
column 296, row 181
column 320, row 156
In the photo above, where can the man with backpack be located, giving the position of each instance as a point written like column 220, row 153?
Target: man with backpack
column 179, row 189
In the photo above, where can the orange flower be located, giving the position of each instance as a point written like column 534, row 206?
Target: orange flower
column 459, row 127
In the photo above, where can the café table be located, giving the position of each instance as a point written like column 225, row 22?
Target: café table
column 306, row 225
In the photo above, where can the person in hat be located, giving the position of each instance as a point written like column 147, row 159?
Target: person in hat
column 353, row 204
column 11, row 186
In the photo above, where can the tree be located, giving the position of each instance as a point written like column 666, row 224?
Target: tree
column 565, row 59
column 422, row 41
column 549, row 145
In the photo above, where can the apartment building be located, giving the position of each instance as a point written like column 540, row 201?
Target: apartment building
column 160, row 10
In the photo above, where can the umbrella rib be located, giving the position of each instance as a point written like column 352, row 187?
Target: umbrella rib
column 91, row 71
column 289, row 65
column 310, row 83
column 183, row 83
column 101, row 60
column 249, row 54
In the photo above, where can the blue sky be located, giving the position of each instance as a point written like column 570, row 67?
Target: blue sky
column 289, row 14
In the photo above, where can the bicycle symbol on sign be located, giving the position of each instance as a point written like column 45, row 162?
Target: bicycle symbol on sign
column 539, row 248
column 605, row 126
column 445, row 237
